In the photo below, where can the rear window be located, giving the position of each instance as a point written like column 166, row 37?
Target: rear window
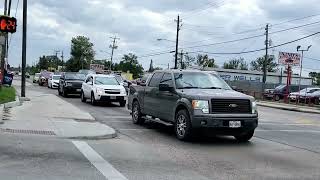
column 75, row 76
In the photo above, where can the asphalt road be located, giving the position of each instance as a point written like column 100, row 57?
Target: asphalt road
column 286, row 145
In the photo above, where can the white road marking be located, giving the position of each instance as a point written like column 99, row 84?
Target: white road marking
column 288, row 130
column 288, row 124
column 102, row 165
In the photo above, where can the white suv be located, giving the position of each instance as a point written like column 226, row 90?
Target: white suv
column 102, row 88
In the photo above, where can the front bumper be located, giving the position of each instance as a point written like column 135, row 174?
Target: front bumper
column 108, row 98
column 220, row 123
column 73, row 90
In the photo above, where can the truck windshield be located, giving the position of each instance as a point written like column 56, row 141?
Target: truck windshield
column 106, row 81
column 199, row 80
column 75, row 76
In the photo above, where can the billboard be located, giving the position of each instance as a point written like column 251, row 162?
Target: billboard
column 289, row 58
column 97, row 67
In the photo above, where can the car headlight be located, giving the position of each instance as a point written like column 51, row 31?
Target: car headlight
column 100, row 90
column 202, row 105
column 68, row 84
column 254, row 108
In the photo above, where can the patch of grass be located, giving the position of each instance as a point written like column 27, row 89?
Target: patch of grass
column 7, row 94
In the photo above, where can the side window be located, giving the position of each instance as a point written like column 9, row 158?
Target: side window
column 155, row 80
column 167, row 79
column 89, row 79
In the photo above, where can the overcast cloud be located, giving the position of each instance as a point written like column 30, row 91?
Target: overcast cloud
column 139, row 23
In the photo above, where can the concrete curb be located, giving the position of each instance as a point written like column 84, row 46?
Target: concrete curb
column 107, row 136
column 296, row 109
column 13, row 103
column 1, row 113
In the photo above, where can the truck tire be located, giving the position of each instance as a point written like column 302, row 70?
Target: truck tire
column 136, row 113
column 183, row 127
column 122, row 103
column 83, row 99
column 277, row 98
column 245, row 137
column 93, row 100
column 64, row 93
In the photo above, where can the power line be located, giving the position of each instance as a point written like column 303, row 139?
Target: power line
column 296, row 27
column 296, row 19
column 209, row 5
column 312, row 58
column 262, row 49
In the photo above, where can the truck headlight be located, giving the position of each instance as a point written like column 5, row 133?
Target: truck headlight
column 68, row 84
column 254, row 108
column 100, row 90
column 123, row 91
column 202, row 105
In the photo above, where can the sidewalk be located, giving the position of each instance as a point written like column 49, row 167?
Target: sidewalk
column 289, row 107
column 47, row 113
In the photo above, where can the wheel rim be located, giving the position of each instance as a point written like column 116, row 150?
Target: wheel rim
column 135, row 112
column 181, row 125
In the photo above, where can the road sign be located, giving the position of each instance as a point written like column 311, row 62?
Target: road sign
column 97, row 67
column 289, row 58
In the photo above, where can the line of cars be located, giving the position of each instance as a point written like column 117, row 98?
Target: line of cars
column 305, row 95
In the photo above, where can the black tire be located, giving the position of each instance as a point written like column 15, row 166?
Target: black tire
column 136, row 113
column 122, row 103
column 83, row 99
column 59, row 92
column 245, row 137
column 183, row 126
column 316, row 101
column 92, row 100
column 64, row 93
column 277, row 98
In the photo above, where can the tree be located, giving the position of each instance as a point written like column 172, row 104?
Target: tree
column 236, row 64
column 315, row 77
column 257, row 65
column 130, row 63
column 188, row 61
column 205, row 61
column 151, row 69
column 43, row 63
column 82, row 53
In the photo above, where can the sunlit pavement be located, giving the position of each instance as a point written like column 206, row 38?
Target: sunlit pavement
column 286, row 146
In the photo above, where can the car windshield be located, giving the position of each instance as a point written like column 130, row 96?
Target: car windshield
column 75, row 76
column 55, row 77
column 106, row 81
column 199, row 80
column 119, row 78
column 37, row 75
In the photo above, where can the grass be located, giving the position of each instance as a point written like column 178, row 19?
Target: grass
column 7, row 94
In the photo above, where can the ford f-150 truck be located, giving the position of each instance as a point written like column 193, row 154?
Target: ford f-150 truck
column 189, row 100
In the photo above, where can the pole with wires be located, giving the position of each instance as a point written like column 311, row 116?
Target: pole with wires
column 113, row 47
column 177, row 44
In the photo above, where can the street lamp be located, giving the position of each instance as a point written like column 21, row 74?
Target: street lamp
column 302, row 52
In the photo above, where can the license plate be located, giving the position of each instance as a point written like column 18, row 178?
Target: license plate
column 234, row 124
column 113, row 97
column 78, row 90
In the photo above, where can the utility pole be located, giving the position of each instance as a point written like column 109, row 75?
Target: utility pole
column 24, row 48
column 62, row 56
column 177, row 43
column 302, row 53
column 264, row 79
column 113, row 47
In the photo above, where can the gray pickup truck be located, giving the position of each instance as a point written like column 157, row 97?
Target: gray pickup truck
column 189, row 100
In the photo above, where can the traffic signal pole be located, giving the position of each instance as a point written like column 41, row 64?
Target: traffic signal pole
column 24, row 49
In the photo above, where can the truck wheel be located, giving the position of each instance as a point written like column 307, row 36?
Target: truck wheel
column 93, row 100
column 136, row 113
column 245, row 137
column 122, row 103
column 83, row 99
column 277, row 97
column 183, row 125
column 316, row 101
column 64, row 93
column 59, row 92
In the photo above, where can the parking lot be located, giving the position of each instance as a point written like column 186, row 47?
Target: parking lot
column 286, row 144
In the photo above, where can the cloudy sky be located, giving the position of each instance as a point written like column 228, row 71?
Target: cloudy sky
column 139, row 23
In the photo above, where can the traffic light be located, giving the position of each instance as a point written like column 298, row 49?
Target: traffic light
column 8, row 24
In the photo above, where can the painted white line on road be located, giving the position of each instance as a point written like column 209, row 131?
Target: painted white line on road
column 287, row 130
column 288, row 124
column 102, row 165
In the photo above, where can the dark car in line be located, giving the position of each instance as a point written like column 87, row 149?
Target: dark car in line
column 281, row 91
column 70, row 83
column 189, row 100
